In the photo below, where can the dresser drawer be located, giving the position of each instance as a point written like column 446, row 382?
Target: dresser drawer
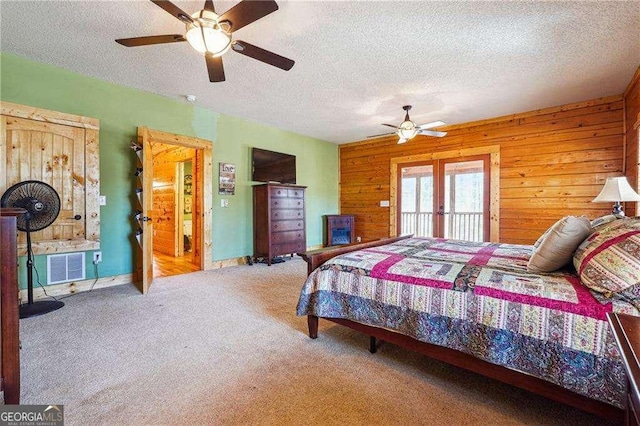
column 288, row 248
column 288, row 214
column 287, row 237
column 287, row 203
column 278, row 192
column 295, row 193
column 287, row 225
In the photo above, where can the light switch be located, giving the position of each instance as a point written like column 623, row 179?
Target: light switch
column 384, row 203
column 102, row 200
column 224, row 202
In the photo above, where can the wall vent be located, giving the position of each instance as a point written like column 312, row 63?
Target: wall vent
column 65, row 267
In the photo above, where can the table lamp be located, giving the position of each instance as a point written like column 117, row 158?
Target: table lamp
column 617, row 189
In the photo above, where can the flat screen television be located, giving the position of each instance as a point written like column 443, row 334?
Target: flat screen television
column 270, row 166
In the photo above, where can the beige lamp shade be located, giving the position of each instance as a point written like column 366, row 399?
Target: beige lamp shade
column 615, row 190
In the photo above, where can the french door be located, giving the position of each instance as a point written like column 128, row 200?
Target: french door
column 447, row 198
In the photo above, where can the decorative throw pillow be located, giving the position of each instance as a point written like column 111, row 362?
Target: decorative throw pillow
column 609, row 262
column 624, row 222
column 599, row 223
column 556, row 246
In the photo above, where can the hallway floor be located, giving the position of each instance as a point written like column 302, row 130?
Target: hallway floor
column 165, row 265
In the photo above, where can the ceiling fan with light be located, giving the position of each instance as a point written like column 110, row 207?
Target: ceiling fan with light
column 408, row 130
column 211, row 34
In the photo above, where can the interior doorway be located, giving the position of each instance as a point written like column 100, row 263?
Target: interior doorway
column 173, row 201
column 160, row 216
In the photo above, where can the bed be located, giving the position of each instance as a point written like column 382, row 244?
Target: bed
column 475, row 306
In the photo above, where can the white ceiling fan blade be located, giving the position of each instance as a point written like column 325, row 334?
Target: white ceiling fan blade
column 381, row 134
column 402, row 140
column 432, row 133
column 430, row 125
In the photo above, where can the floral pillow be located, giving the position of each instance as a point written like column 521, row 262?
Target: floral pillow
column 609, row 261
column 600, row 223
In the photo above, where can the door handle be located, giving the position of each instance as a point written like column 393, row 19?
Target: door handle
column 76, row 217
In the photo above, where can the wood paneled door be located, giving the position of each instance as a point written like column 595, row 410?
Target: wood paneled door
column 61, row 150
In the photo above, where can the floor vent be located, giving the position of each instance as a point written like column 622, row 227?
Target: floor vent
column 65, row 267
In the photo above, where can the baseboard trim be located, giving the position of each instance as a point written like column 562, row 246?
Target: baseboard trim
column 80, row 286
column 216, row 264
column 77, row 286
column 243, row 260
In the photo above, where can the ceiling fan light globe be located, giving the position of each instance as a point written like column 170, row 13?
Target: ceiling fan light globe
column 206, row 35
column 407, row 130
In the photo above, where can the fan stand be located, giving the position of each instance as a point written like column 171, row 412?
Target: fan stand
column 31, row 308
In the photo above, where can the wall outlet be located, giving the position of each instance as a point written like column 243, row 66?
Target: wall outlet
column 384, row 203
column 358, row 239
column 97, row 257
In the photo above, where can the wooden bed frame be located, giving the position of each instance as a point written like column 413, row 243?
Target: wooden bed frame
column 451, row 356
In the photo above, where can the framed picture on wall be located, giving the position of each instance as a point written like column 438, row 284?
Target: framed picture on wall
column 187, row 184
column 227, row 182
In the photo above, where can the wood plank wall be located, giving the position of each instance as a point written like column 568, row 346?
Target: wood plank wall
column 553, row 163
column 632, row 128
column 164, row 196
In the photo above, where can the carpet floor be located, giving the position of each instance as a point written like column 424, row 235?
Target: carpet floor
column 224, row 347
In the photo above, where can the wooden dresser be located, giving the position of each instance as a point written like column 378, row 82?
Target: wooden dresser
column 9, row 316
column 626, row 330
column 278, row 220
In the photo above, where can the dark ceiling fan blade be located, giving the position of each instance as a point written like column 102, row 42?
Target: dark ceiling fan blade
column 208, row 5
column 389, row 125
column 430, row 125
column 432, row 133
column 262, row 55
column 215, row 68
column 173, row 10
column 381, row 134
column 248, row 11
column 157, row 39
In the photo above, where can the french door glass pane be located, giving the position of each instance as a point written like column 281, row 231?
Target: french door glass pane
column 416, row 214
column 464, row 200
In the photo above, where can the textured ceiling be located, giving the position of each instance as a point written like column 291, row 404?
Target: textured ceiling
column 357, row 62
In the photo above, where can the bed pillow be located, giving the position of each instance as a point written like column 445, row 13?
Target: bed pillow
column 609, row 262
column 556, row 246
column 599, row 223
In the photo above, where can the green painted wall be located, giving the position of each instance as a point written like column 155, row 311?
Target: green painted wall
column 122, row 109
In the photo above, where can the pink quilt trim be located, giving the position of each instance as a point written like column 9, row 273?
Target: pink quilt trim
column 587, row 304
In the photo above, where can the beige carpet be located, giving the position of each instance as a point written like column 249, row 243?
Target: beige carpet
column 225, row 347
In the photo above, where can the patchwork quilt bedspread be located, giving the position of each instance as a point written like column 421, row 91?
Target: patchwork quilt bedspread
column 480, row 299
